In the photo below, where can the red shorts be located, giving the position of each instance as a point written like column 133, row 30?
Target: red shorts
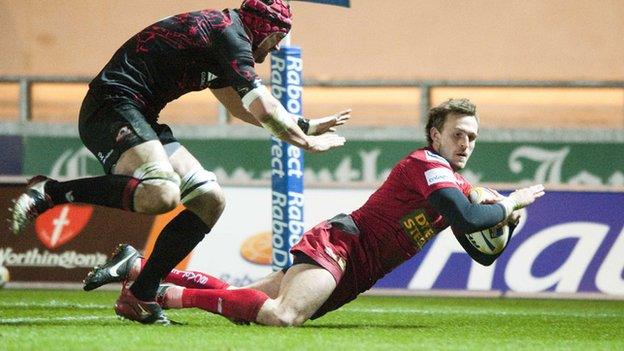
column 341, row 253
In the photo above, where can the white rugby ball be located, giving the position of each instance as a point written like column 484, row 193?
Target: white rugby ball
column 4, row 276
column 493, row 240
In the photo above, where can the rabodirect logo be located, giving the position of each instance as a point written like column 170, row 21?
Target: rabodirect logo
column 61, row 224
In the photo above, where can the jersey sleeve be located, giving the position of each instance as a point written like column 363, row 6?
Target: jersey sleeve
column 235, row 56
column 218, row 83
column 426, row 174
column 464, row 185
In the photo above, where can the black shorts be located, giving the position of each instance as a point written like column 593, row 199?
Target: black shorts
column 109, row 127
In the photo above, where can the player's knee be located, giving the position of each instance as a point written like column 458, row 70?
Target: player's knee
column 199, row 188
column 160, row 187
column 215, row 199
column 156, row 199
column 167, row 199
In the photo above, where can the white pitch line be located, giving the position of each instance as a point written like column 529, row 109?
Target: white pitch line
column 487, row 312
column 53, row 319
column 54, row 304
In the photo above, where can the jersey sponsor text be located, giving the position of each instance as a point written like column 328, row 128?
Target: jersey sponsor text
column 439, row 175
column 417, row 227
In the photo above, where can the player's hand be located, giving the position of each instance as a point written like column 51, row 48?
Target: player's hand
column 522, row 197
column 514, row 219
column 324, row 142
column 323, row 125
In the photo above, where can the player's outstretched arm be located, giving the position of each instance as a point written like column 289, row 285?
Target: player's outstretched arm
column 274, row 118
column 317, row 126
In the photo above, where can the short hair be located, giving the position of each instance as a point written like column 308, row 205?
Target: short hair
column 437, row 115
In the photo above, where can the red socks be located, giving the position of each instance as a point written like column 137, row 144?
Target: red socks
column 238, row 304
column 195, row 280
column 191, row 279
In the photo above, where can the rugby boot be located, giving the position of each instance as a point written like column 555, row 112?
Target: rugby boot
column 145, row 312
column 116, row 269
column 161, row 298
column 33, row 202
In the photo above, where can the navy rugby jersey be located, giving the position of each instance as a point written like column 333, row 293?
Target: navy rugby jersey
column 179, row 54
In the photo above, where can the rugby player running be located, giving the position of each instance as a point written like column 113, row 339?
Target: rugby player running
column 147, row 169
column 344, row 256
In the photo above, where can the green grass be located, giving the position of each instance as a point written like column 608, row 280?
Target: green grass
column 75, row 320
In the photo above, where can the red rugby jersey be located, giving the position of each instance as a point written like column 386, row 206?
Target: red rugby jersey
column 397, row 221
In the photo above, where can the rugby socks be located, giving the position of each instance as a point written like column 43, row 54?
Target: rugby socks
column 195, row 280
column 187, row 279
column 176, row 241
column 237, row 304
column 116, row 191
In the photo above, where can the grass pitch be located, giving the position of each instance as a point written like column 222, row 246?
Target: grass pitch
column 75, row 320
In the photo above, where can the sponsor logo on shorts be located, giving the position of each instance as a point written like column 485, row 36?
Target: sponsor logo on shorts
column 123, row 133
column 103, row 157
column 439, row 175
column 418, row 227
column 61, row 224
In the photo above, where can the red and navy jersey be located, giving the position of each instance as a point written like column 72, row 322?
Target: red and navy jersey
column 397, row 221
column 179, row 54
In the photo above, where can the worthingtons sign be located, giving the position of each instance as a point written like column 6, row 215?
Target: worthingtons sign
column 45, row 258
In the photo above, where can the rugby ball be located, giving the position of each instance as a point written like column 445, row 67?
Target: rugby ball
column 4, row 276
column 493, row 240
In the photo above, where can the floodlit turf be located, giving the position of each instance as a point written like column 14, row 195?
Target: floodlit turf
column 75, row 320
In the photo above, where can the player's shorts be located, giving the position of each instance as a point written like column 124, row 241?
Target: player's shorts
column 336, row 245
column 109, row 127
